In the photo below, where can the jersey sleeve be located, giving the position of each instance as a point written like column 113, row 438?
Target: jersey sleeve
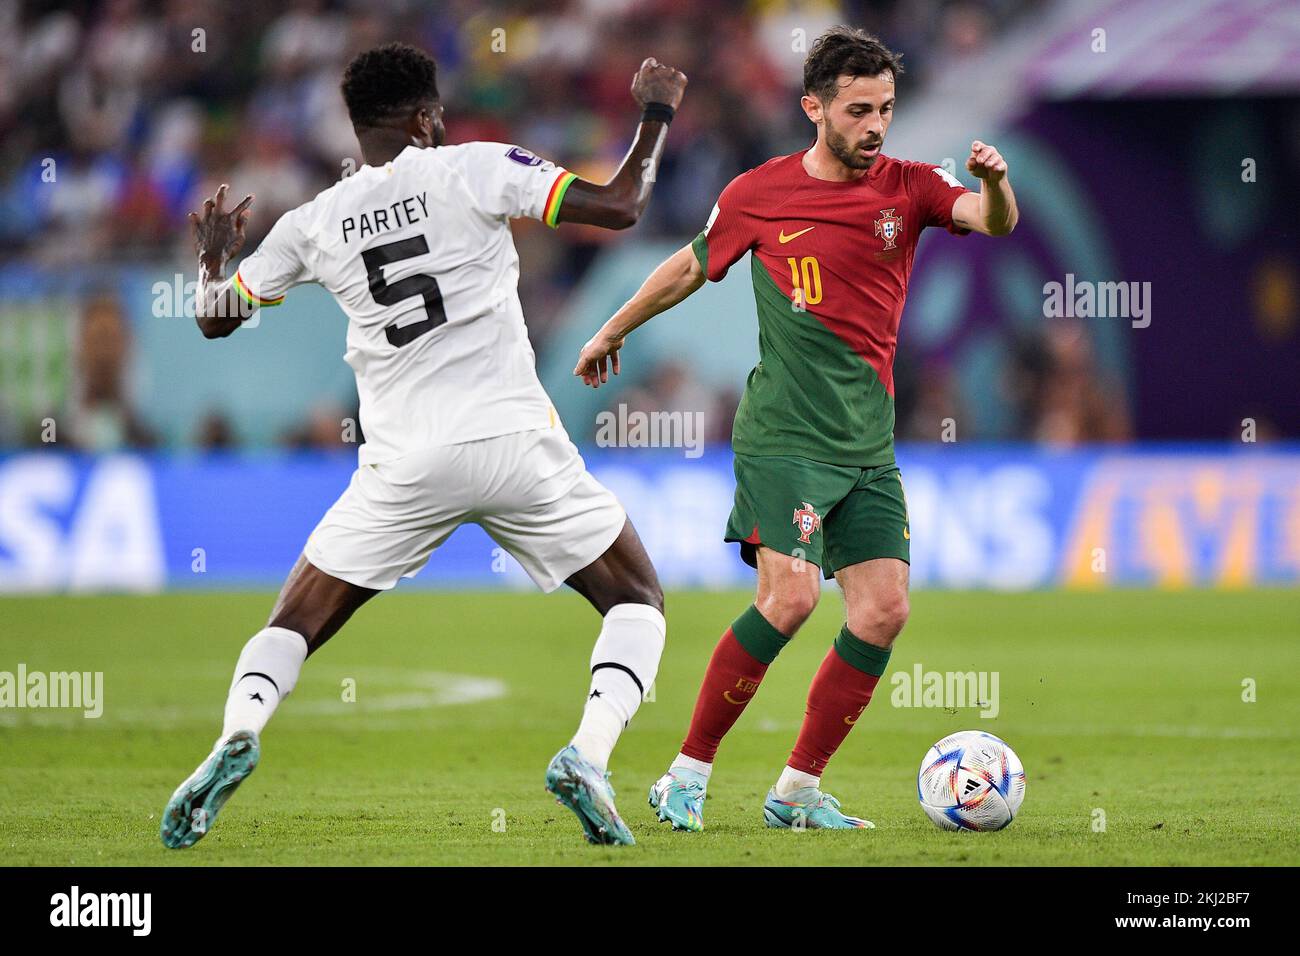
column 730, row 232
column 276, row 266
column 510, row 181
column 934, row 190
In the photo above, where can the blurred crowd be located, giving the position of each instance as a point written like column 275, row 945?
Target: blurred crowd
column 1054, row 386
column 1059, row 394
column 138, row 109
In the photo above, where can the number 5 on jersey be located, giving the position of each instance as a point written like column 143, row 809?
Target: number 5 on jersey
column 422, row 285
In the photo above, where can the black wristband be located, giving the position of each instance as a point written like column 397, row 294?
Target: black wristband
column 657, row 113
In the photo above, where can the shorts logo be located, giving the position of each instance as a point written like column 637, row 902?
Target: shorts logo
column 807, row 521
column 889, row 227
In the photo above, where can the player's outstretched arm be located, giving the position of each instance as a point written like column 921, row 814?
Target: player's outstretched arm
column 674, row 280
column 218, row 236
column 993, row 211
column 619, row 203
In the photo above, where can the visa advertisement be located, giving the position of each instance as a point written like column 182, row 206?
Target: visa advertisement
column 994, row 517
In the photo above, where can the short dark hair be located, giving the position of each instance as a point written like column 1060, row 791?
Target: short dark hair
column 842, row 51
column 388, row 83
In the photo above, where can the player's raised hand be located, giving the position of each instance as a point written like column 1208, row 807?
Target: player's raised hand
column 597, row 358
column 985, row 162
column 657, row 82
column 218, row 235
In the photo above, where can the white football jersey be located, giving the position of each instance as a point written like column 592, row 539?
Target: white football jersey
column 419, row 255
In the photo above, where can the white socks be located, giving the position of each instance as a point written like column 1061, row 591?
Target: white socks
column 267, row 670
column 792, row 780
column 789, row 781
column 624, row 663
column 684, row 762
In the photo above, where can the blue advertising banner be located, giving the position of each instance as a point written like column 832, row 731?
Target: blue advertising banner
column 986, row 517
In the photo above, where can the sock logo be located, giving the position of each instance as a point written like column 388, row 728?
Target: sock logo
column 744, row 686
column 854, row 718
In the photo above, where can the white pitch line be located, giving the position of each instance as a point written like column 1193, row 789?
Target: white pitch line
column 419, row 690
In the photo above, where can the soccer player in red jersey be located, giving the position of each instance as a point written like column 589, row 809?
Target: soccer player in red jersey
column 832, row 231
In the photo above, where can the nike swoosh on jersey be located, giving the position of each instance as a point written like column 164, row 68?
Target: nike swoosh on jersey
column 783, row 238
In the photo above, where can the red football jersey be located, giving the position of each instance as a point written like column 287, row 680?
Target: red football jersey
column 840, row 254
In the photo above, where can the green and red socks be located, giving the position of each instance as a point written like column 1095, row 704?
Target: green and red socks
column 838, row 696
column 735, row 670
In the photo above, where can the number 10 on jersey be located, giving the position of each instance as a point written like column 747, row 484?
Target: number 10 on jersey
column 806, row 279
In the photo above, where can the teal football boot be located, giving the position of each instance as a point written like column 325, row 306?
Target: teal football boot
column 586, row 791
column 678, row 797
column 194, row 806
column 809, row 809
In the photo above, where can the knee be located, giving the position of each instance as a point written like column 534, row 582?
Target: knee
column 787, row 609
column 879, row 620
column 647, row 591
column 312, row 631
column 653, row 595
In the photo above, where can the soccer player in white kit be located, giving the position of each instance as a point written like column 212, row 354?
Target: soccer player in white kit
column 416, row 248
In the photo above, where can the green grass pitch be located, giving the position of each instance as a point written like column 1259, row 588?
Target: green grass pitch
column 1125, row 704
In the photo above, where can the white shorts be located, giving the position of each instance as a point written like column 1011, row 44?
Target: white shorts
column 529, row 490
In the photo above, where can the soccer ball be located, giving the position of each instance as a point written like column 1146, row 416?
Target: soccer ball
column 971, row 780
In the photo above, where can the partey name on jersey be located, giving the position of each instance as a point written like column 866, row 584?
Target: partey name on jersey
column 419, row 255
column 376, row 221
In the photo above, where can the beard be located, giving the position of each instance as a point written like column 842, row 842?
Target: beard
column 839, row 146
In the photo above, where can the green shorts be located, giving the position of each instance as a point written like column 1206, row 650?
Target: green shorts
column 830, row 515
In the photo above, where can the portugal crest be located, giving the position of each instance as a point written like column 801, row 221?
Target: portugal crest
column 889, row 227
column 807, row 521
